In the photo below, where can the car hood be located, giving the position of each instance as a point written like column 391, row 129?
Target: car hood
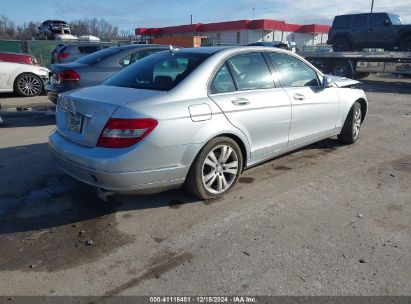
column 342, row 82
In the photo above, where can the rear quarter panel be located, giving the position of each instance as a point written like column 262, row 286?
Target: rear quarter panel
column 175, row 126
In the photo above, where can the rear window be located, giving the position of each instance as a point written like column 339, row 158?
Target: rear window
column 161, row 72
column 99, row 56
column 378, row 19
column 88, row 49
column 359, row 21
column 342, row 22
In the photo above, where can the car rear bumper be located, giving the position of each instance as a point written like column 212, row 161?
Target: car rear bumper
column 127, row 182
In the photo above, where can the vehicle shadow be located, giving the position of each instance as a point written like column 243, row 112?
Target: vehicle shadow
column 60, row 200
column 380, row 86
column 26, row 119
column 15, row 95
column 55, row 199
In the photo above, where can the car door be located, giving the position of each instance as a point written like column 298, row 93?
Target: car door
column 6, row 69
column 244, row 90
column 359, row 29
column 314, row 108
column 381, row 31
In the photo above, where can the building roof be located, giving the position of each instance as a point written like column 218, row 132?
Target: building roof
column 260, row 24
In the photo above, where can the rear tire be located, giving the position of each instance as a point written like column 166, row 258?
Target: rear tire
column 215, row 170
column 352, row 125
column 341, row 44
column 405, row 44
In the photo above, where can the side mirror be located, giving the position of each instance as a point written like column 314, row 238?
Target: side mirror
column 327, row 82
column 387, row 22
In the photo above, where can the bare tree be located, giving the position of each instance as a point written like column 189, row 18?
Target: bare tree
column 96, row 27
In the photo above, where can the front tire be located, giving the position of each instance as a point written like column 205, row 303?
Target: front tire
column 215, row 170
column 352, row 125
column 28, row 85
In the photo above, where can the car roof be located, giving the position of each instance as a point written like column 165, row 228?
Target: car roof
column 373, row 13
column 136, row 46
column 231, row 49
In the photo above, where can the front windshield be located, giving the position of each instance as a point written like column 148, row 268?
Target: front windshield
column 395, row 19
column 161, row 71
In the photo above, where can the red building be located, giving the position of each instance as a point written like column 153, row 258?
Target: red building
column 243, row 32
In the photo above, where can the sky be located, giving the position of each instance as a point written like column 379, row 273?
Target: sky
column 129, row 14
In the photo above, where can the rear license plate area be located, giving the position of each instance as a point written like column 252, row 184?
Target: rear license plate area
column 75, row 122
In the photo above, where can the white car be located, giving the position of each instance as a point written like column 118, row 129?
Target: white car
column 23, row 79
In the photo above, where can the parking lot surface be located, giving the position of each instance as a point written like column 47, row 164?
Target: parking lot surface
column 325, row 220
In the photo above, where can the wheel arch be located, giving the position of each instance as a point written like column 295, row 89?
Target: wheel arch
column 240, row 143
column 364, row 107
column 402, row 35
column 344, row 35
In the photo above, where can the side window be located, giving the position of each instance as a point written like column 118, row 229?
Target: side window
column 145, row 53
column 250, row 71
column 359, row 21
column 293, row 72
column 341, row 22
column 378, row 19
column 127, row 60
column 222, row 82
column 140, row 54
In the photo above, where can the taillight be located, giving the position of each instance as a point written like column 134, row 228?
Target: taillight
column 69, row 75
column 62, row 55
column 121, row 133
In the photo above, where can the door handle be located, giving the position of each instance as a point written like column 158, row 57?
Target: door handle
column 298, row 96
column 240, row 101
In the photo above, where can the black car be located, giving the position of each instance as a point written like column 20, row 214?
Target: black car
column 371, row 30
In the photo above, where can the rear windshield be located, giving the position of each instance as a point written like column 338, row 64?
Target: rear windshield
column 161, row 71
column 98, row 56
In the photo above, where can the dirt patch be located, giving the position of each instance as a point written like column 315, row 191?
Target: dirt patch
column 62, row 231
column 246, row 180
column 402, row 164
column 282, row 168
column 159, row 265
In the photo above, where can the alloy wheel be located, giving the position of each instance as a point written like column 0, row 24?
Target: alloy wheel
column 220, row 169
column 29, row 85
column 356, row 123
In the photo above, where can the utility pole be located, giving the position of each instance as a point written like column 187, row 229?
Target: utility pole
column 372, row 5
column 191, row 19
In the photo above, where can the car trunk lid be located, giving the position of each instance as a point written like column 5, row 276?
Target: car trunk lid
column 82, row 115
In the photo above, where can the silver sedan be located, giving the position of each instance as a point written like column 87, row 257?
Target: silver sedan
column 198, row 117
